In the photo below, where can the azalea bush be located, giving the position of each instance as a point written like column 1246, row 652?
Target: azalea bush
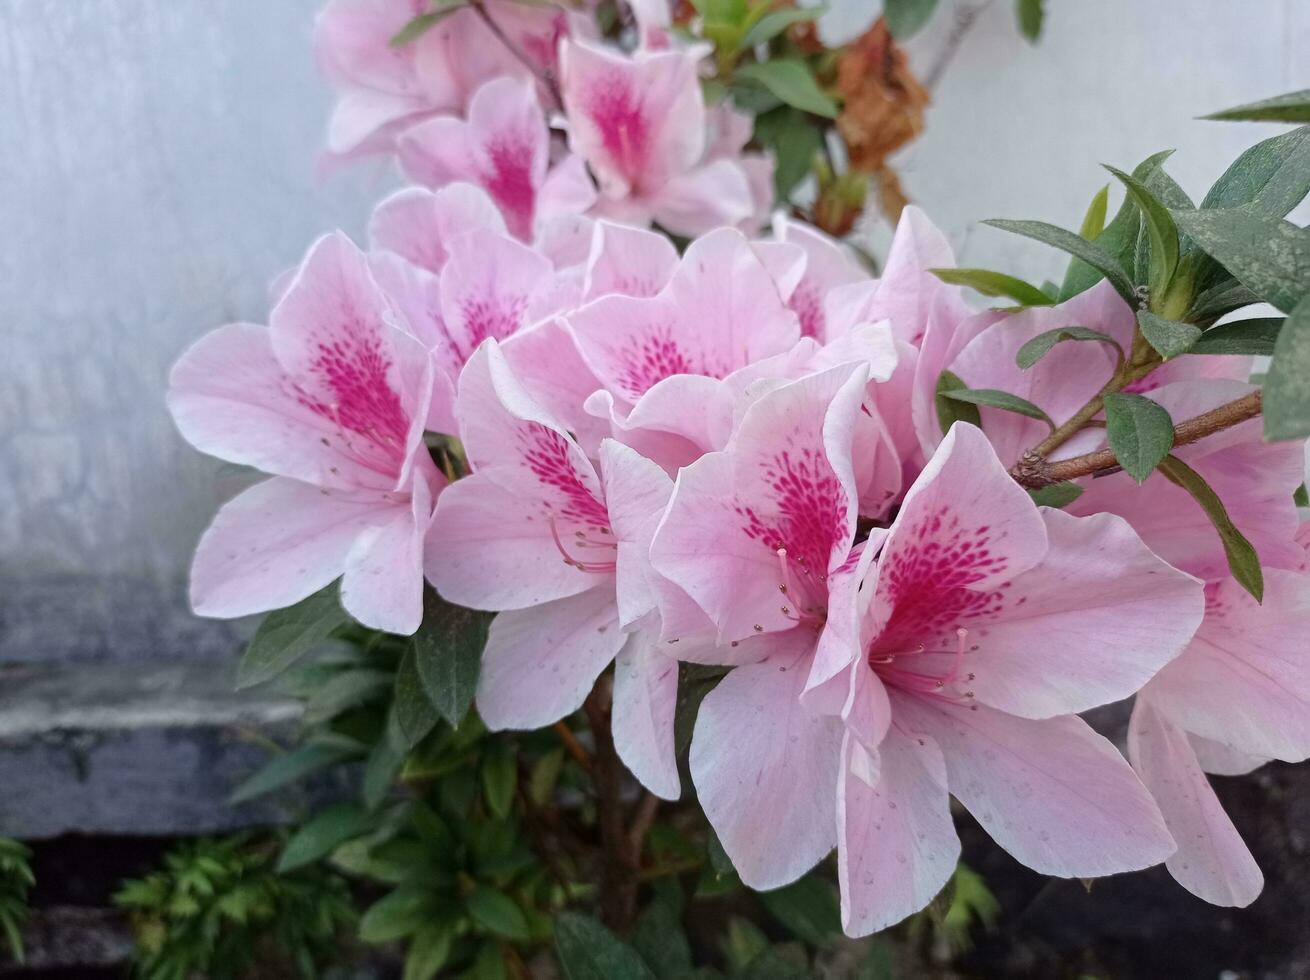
column 651, row 547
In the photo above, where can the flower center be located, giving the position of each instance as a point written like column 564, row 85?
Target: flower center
column 932, row 673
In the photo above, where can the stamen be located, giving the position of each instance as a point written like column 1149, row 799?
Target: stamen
column 598, row 567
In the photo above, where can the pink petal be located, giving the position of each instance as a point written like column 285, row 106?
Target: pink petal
column 896, row 843
column 628, row 260
column 829, row 265
column 1245, row 679
column 511, row 149
column 279, row 542
column 636, row 493
column 437, row 152
column 907, row 288
column 341, row 343
column 963, row 531
column 1090, row 624
column 1053, row 793
column 718, row 193
column 785, row 483
column 423, row 226
column 547, row 363
column 1212, row 862
column 489, row 549
column 487, row 287
column 382, row 583
column 1223, row 760
column 637, row 120
column 568, row 190
column 645, row 699
column 230, row 398
column 1060, row 383
column 766, row 769
column 540, row 663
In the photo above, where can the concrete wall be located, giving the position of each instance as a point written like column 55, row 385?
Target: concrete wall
column 156, row 171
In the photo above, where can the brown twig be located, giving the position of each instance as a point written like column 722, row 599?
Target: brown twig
column 573, row 746
column 618, row 885
column 1035, row 471
column 642, row 820
column 542, row 73
column 965, row 18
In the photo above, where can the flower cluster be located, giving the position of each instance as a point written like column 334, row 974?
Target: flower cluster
column 739, row 456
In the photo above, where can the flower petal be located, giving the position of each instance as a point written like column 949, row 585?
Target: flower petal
column 1212, row 862
column 540, row 663
column 766, row 769
column 645, row 699
column 1053, row 793
column 896, row 843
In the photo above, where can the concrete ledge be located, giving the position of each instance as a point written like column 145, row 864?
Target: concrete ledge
column 145, row 748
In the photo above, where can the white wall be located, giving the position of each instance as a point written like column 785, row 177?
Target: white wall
column 156, row 170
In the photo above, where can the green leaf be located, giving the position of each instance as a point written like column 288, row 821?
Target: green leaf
column 1031, row 13
column 994, row 284
column 288, row 767
column 544, row 776
column 661, row 941
column 1094, row 220
column 1287, row 386
column 950, row 411
column 790, row 80
column 1089, row 252
column 420, row 25
column 448, row 653
column 1270, row 256
column 1256, row 336
column 1243, row 561
column 345, row 690
column 380, row 773
column 742, row 942
column 993, row 398
column 496, row 912
column 499, row 778
column 397, row 914
column 906, row 18
column 319, row 837
column 1057, row 495
column 1273, row 176
column 1160, row 227
column 1292, row 107
column 489, row 965
column 809, row 908
column 589, row 951
column 411, row 707
column 428, row 952
column 1169, row 337
column 1037, row 348
column 288, row 634
column 1220, row 299
column 1141, row 433
column 775, row 22
column 794, row 139
column 1118, row 239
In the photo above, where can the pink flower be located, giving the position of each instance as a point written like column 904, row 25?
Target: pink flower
column 828, row 265
column 639, row 121
column 1237, row 697
column 504, row 148
column 560, row 550
column 331, row 399
column 958, row 659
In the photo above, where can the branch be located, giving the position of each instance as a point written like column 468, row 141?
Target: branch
column 965, row 18
column 573, row 746
column 1035, row 472
column 618, row 886
column 542, row 74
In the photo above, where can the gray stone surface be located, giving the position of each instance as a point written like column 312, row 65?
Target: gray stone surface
column 149, row 748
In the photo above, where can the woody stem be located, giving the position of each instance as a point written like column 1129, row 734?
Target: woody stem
column 1035, row 472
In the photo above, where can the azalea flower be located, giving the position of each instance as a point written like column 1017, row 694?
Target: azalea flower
column 504, row 148
column 948, row 678
column 639, row 121
column 558, row 548
column 330, row 398
column 384, row 88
